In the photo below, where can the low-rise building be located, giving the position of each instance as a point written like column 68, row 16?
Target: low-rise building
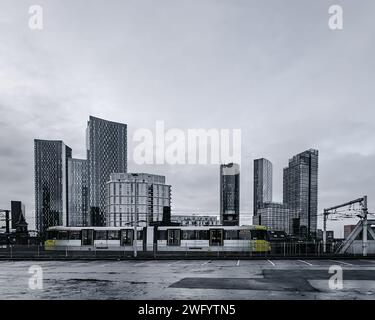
column 348, row 230
column 330, row 235
column 195, row 220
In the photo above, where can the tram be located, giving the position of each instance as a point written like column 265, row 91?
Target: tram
column 160, row 238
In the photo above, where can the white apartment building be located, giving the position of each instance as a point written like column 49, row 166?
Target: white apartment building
column 138, row 197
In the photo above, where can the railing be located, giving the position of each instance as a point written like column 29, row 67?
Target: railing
column 278, row 250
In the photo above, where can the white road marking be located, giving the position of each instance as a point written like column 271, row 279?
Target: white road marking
column 308, row 263
column 105, row 264
column 363, row 286
column 238, row 263
column 271, row 262
column 173, row 263
column 203, row 264
column 142, row 263
column 371, row 261
column 342, row 262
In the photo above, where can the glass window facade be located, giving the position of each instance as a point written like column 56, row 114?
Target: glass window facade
column 106, row 154
column 51, row 183
column 77, row 193
column 300, row 193
column 262, row 183
column 230, row 194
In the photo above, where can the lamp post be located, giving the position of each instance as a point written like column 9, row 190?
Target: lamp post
column 364, row 222
column 325, row 232
column 135, row 224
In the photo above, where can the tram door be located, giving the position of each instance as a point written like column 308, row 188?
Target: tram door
column 127, row 237
column 216, row 237
column 174, row 237
column 87, row 237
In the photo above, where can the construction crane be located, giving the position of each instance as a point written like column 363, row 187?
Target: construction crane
column 363, row 216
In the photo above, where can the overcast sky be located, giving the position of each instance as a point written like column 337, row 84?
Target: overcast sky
column 270, row 68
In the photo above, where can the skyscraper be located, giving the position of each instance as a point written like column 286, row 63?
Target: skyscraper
column 262, row 182
column 51, row 183
column 18, row 213
column 300, row 193
column 106, row 154
column 77, row 192
column 137, row 197
column 230, row 194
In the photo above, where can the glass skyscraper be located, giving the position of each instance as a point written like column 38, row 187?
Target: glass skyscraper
column 51, row 183
column 300, row 193
column 230, row 194
column 262, row 183
column 18, row 214
column 106, row 154
column 78, row 193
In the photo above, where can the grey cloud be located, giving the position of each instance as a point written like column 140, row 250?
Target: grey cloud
column 272, row 69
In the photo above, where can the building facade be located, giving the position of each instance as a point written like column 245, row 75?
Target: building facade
column 51, row 183
column 348, row 230
column 230, row 194
column 274, row 216
column 330, row 235
column 262, row 183
column 78, row 193
column 106, row 154
column 300, row 193
column 195, row 220
column 137, row 197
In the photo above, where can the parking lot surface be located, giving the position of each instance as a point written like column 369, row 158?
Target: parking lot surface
column 191, row 279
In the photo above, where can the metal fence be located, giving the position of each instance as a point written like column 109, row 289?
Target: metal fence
column 278, row 250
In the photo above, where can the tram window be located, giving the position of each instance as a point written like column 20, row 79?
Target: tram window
column 231, row 234
column 113, row 235
column 100, row 235
column 162, row 235
column 244, row 235
column 202, row 235
column 173, row 237
column 127, row 237
column 258, row 235
column 52, row 235
column 188, row 235
column 87, row 237
column 216, row 237
column 75, row 235
column 140, row 235
column 63, row 235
